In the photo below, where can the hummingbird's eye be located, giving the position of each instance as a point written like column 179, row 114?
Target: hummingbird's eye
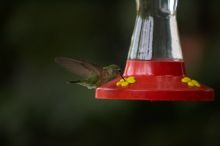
column 118, row 70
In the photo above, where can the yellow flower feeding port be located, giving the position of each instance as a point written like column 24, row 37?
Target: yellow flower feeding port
column 126, row 81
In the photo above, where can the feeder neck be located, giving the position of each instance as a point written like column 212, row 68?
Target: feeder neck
column 155, row 34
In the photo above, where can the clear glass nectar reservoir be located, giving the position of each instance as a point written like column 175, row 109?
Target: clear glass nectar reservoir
column 155, row 34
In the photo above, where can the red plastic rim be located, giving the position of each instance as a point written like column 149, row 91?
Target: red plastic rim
column 155, row 67
column 155, row 81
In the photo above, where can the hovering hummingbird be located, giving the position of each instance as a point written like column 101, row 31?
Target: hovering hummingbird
column 94, row 75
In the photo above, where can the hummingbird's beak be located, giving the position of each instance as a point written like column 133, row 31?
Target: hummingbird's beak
column 121, row 74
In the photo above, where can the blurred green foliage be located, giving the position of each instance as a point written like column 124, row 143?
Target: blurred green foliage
column 38, row 108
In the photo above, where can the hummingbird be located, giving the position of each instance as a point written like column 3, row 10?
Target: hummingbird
column 94, row 75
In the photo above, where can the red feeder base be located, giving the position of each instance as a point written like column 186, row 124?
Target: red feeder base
column 155, row 81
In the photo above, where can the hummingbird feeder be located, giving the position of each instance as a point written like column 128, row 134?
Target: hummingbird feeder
column 155, row 67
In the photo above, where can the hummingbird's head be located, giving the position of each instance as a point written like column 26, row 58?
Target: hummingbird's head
column 113, row 69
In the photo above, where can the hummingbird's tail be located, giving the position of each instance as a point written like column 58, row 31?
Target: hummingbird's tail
column 73, row 82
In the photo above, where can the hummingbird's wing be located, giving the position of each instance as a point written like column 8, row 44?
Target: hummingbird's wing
column 78, row 67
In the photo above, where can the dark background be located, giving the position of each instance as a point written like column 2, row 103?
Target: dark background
column 38, row 108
